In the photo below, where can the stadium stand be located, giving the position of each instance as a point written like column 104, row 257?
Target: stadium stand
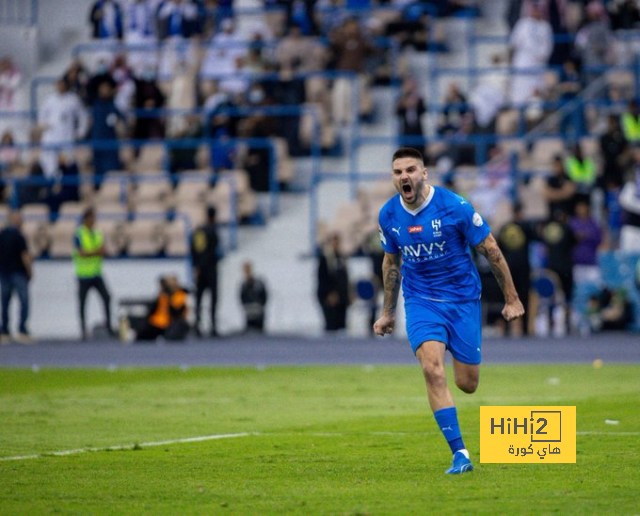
column 217, row 140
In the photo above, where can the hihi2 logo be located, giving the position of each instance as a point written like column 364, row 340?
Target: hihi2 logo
column 527, row 434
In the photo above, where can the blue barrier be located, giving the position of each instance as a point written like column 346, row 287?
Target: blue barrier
column 618, row 271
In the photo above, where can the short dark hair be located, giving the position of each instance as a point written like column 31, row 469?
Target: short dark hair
column 408, row 152
column 89, row 212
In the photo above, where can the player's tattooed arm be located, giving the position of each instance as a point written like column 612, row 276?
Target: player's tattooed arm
column 490, row 250
column 391, row 281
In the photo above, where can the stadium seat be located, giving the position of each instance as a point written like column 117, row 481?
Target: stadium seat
column 4, row 214
column 62, row 232
column 195, row 212
column 112, row 219
column 35, row 227
column 64, row 228
column 156, row 189
column 115, row 188
column 127, row 156
column 177, row 232
column 83, row 155
column 622, row 81
column 150, row 160
column 543, row 151
column 221, row 196
column 146, row 236
column 192, row 187
column 247, row 201
column 285, row 171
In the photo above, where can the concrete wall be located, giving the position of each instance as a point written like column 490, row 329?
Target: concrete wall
column 292, row 307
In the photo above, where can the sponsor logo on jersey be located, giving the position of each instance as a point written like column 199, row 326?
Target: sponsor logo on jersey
column 420, row 252
column 415, row 229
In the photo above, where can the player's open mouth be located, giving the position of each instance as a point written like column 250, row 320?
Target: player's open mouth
column 407, row 188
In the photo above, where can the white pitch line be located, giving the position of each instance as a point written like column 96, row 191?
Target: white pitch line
column 119, row 447
column 216, row 437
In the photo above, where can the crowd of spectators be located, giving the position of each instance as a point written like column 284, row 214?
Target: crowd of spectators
column 217, row 76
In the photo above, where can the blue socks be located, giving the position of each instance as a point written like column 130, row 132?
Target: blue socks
column 447, row 419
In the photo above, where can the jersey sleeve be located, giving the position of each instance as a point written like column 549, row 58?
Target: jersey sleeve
column 388, row 243
column 471, row 223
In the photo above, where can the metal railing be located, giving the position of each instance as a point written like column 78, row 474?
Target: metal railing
column 18, row 12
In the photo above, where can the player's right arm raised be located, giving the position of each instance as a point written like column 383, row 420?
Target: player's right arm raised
column 391, row 281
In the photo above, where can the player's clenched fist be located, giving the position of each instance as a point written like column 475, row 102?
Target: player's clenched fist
column 384, row 325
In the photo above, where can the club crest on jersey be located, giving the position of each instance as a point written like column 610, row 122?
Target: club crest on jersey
column 436, row 224
column 415, row 229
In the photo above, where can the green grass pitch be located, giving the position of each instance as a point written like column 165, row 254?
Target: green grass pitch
column 321, row 440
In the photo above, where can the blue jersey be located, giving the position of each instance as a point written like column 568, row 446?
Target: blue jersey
column 433, row 241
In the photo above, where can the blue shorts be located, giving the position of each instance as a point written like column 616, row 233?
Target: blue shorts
column 457, row 325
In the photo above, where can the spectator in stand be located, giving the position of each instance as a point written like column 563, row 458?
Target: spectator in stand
column 559, row 242
column 148, row 96
column 610, row 310
column 10, row 79
column 613, row 215
column 299, row 13
column 77, row 78
column 9, row 160
column 595, row 42
column 104, row 131
column 125, row 85
column 531, row 44
column 222, row 61
column 411, row 29
column 298, row 51
column 9, row 155
column 514, row 239
column 106, row 20
column 631, row 122
column 569, row 86
column 581, row 170
column 177, row 22
column 350, row 49
column 615, row 153
column 139, row 31
column 15, row 273
column 559, row 190
column 588, row 235
column 409, row 110
column 183, row 157
column 333, row 285
column 624, row 14
column 630, row 203
column 66, row 185
column 62, row 121
column 253, row 296
column 455, row 107
column 101, row 76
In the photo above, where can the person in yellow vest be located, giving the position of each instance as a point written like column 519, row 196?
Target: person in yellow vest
column 581, row 170
column 631, row 123
column 168, row 315
column 88, row 255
